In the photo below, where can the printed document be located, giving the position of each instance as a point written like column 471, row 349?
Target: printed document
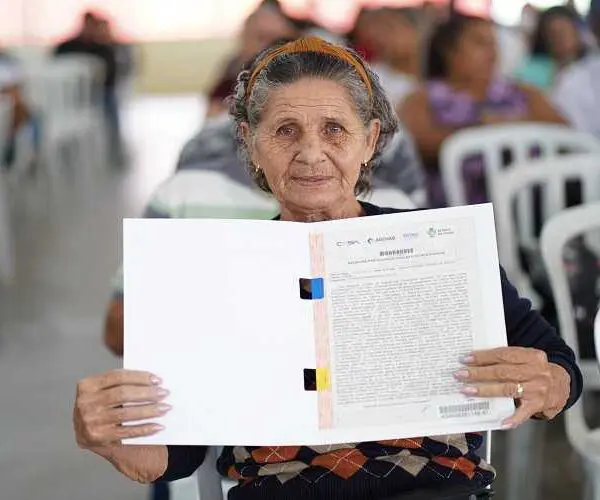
column 278, row 333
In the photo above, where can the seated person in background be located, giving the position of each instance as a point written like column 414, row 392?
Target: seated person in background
column 577, row 90
column 267, row 24
column 363, row 34
column 312, row 119
column 92, row 41
column 464, row 91
column 124, row 53
column 395, row 42
column 557, row 42
column 577, row 94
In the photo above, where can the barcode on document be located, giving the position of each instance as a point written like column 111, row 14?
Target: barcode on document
column 473, row 409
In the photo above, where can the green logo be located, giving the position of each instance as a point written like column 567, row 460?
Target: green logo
column 431, row 232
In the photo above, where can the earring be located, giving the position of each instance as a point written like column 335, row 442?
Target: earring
column 365, row 164
column 256, row 168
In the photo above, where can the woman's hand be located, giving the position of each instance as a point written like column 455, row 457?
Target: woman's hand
column 101, row 407
column 502, row 372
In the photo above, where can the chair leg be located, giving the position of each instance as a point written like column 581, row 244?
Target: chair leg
column 7, row 254
column 525, row 450
column 592, row 481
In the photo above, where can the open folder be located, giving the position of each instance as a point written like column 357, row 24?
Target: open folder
column 282, row 333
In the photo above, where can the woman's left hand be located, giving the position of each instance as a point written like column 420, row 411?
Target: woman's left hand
column 540, row 388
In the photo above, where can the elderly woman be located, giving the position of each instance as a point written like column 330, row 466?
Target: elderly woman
column 312, row 120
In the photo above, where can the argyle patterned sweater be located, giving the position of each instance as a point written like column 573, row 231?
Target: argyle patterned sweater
column 375, row 470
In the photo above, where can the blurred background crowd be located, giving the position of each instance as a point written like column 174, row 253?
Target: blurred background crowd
column 120, row 109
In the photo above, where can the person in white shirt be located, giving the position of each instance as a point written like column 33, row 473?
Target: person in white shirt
column 577, row 94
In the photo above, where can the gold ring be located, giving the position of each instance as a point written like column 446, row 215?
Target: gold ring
column 520, row 390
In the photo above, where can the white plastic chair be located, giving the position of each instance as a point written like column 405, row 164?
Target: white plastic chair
column 87, row 107
column 61, row 93
column 552, row 175
column 557, row 233
column 508, row 185
column 597, row 335
column 389, row 197
column 7, row 255
column 493, row 140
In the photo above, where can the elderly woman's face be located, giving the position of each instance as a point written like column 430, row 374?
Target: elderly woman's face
column 310, row 144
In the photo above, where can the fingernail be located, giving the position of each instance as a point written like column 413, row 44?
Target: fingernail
column 507, row 425
column 469, row 358
column 163, row 408
column 162, row 393
column 462, row 374
column 155, row 380
column 469, row 390
column 158, row 427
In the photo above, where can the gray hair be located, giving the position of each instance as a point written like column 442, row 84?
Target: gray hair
column 288, row 68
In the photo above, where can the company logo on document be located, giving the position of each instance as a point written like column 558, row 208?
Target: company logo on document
column 349, row 243
column 440, row 231
column 381, row 239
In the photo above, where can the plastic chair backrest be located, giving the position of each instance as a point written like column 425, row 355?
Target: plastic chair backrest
column 551, row 175
column 493, row 141
column 47, row 91
column 88, row 74
column 209, row 193
column 557, row 233
column 58, row 89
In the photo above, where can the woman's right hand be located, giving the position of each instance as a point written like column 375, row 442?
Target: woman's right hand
column 102, row 407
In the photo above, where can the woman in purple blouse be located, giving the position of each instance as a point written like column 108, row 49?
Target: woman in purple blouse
column 463, row 90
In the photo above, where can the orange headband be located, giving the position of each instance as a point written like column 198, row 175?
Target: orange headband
column 311, row 44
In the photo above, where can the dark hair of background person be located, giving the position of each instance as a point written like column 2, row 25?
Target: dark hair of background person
column 89, row 16
column 445, row 38
column 351, row 36
column 299, row 23
column 411, row 14
column 539, row 44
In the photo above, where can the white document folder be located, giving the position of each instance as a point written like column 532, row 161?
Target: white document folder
column 366, row 352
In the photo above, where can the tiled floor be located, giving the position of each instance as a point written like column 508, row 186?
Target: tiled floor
column 51, row 323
